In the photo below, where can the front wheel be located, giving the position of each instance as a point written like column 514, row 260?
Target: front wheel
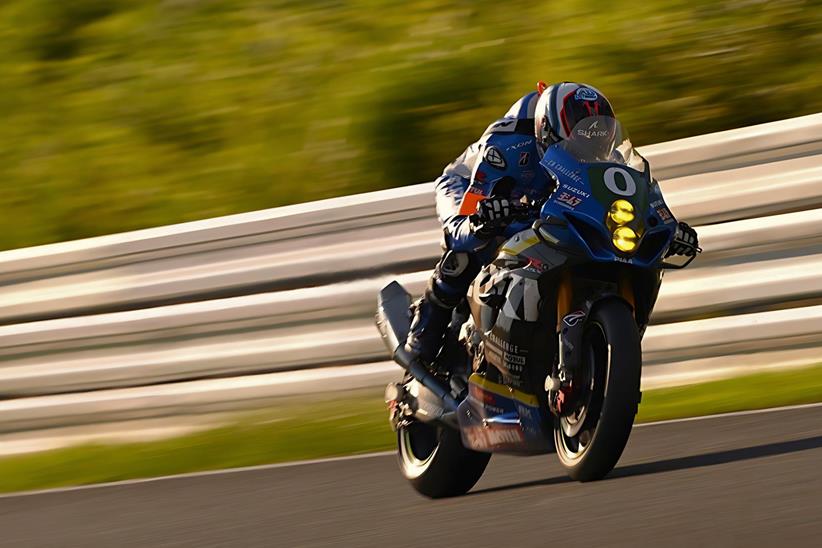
column 590, row 440
column 436, row 463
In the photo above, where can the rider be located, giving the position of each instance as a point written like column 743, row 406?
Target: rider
column 508, row 152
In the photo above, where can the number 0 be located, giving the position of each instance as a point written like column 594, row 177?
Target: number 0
column 611, row 181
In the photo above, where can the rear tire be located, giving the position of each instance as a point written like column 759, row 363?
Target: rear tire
column 433, row 459
column 612, row 355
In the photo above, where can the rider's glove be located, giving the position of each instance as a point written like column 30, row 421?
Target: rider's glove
column 491, row 218
column 685, row 241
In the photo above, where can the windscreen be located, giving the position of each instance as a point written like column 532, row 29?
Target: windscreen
column 602, row 139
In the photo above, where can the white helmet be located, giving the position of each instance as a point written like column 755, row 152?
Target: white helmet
column 561, row 106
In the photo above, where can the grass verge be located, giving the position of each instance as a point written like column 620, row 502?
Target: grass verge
column 301, row 429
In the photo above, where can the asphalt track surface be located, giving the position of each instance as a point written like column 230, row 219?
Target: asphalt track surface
column 743, row 480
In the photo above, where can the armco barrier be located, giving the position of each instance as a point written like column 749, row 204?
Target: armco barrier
column 228, row 312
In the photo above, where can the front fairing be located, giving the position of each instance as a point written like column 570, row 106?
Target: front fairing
column 579, row 208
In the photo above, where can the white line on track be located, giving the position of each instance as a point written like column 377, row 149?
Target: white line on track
column 227, row 471
column 734, row 414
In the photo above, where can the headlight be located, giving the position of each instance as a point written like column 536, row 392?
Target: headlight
column 624, row 239
column 621, row 212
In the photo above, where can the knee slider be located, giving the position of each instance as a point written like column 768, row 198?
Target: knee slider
column 451, row 279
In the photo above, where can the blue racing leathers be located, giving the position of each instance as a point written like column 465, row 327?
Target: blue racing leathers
column 505, row 156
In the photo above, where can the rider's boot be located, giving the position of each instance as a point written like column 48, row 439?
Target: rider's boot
column 431, row 319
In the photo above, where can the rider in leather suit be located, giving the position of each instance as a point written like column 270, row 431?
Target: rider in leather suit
column 474, row 224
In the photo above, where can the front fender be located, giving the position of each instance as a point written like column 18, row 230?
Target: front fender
column 572, row 324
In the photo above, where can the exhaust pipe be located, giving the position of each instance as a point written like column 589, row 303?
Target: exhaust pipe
column 394, row 322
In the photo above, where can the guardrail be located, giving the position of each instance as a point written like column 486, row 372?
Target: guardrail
column 233, row 310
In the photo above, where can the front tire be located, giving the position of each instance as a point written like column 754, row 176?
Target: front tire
column 433, row 459
column 590, row 442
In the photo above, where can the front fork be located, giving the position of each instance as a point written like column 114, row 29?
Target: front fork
column 570, row 325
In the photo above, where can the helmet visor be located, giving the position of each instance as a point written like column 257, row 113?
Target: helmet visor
column 581, row 104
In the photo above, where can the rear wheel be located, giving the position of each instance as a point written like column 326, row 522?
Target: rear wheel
column 590, row 440
column 436, row 463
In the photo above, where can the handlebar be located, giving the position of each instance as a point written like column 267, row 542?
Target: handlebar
column 674, row 266
column 525, row 211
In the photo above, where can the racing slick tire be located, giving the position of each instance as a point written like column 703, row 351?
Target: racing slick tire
column 433, row 459
column 590, row 441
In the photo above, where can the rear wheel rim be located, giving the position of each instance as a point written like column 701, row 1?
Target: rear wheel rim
column 418, row 444
column 576, row 431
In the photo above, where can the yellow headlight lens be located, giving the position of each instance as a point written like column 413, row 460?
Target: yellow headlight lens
column 624, row 239
column 621, row 212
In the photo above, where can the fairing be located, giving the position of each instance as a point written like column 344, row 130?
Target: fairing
column 496, row 418
column 513, row 301
column 593, row 171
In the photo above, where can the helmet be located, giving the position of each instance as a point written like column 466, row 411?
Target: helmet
column 561, row 106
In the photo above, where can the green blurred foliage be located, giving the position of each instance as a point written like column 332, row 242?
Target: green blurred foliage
column 124, row 114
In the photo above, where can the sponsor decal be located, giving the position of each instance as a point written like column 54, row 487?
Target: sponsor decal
column 586, row 94
column 495, row 158
column 481, row 395
column 665, row 215
column 497, row 436
column 622, row 260
column 503, row 344
column 523, row 159
column 525, row 412
column 570, row 201
column 657, row 203
column 576, row 191
column 593, row 130
column 493, row 355
column 574, row 318
column 520, row 144
column 503, row 124
column 535, row 265
column 472, row 197
column 480, row 176
column 514, row 363
column 485, row 437
column 571, row 174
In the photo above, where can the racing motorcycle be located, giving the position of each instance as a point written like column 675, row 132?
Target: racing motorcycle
column 545, row 352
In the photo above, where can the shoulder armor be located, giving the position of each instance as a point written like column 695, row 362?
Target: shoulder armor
column 521, row 126
column 519, row 118
column 524, row 108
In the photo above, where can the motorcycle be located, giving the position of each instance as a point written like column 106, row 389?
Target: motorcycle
column 544, row 355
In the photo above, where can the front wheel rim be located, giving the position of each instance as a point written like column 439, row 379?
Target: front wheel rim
column 575, row 432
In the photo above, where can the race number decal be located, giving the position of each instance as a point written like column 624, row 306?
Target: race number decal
column 614, row 182
column 619, row 181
